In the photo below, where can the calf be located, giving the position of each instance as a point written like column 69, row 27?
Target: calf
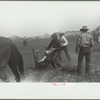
column 43, row 63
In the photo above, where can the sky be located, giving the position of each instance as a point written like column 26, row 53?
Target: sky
column 34, row 18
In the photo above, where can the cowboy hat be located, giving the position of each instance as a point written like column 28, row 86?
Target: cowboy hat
column 54, row 35
column 61, row 33
column 84, row 28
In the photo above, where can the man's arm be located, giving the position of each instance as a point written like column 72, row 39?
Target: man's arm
column 78, row 44
column 65, row 41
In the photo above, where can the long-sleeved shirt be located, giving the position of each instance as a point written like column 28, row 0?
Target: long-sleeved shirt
column 55, row 43
column 85, row 40
column 64, row 41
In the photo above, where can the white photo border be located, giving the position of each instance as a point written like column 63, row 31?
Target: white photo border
column 49, row 90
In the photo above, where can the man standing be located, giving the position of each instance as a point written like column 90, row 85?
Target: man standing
column 84, row 43
column 56, row 46
column 64, row 44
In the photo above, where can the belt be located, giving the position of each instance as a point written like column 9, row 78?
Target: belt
column 86, row 45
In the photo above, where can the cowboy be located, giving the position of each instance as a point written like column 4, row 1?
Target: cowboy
column 56, row 46
column 64, row 44
column 84, row 44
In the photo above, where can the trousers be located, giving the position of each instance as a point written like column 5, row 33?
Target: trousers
column 84, row 52
column 55, row 61
column 65, row 48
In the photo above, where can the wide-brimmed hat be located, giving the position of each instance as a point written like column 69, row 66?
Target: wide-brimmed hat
column 84, row 28
column 54, row 35
column 61, row 33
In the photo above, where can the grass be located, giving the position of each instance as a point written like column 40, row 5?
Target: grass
column 68, row 74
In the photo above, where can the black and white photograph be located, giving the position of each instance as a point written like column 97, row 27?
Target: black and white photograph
column 49, row 41
column 49, row 49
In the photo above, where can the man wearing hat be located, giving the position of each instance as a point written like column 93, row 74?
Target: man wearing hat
column 64, row 44
column 84, row 43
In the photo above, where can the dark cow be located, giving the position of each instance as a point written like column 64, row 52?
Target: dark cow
column 9, row 55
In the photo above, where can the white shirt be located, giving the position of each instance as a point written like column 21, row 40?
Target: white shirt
column 64, row 41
